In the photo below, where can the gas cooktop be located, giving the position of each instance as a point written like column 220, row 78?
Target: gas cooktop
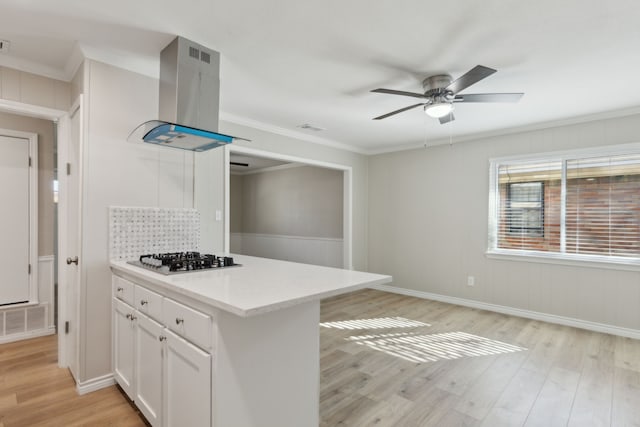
column 182, row 262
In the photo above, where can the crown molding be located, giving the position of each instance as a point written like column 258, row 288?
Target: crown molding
column 613, row 114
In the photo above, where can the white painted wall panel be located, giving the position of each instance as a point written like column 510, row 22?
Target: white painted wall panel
column 307, row 250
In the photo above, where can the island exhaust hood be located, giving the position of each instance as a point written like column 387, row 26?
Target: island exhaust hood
column 189, row 100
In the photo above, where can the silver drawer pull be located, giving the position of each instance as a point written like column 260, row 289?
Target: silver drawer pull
column 129, row 316
column 162, row 338
column 133, row 317
column 143, row 302
column 178, row 321
column 119, row 289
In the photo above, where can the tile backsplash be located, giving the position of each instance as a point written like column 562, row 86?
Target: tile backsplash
column 136, row 231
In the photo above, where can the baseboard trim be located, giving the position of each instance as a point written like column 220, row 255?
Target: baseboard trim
column 95, row 384
column 529, row 314
column 27, row 335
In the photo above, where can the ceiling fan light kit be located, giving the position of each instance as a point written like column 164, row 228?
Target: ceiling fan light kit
column 438, row 110
column 441, row 92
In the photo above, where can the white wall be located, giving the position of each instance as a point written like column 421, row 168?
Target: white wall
column 119, row 173
column 428, row 216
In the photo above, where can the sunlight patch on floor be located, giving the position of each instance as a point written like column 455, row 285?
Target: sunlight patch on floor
column 416, row 347
column 377, row 323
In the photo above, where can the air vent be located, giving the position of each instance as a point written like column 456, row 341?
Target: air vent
column 307, row 126
column 4, row 46
column 205, row 57
column 194, row 52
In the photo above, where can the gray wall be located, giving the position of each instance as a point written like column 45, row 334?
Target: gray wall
column 429, row 209
column 45, row 131
column 33, row 89
column 303, row 201
column 267, row 141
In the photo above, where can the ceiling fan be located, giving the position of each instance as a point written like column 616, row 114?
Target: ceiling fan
column 441, row 92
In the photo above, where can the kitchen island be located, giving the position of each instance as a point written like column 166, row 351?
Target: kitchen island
column 256, row 326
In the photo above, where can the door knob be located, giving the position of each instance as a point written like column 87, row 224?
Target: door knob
column 73, row 260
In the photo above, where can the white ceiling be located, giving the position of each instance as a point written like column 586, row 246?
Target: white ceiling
column 289, row 62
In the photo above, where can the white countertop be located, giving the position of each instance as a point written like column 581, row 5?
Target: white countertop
column 258, row 286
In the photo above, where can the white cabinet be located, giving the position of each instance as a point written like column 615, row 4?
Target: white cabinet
column 149, row 369
column 187, row 384
column 164, row 373
column 123, row 346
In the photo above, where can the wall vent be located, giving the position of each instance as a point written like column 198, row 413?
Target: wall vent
column 36, row 318
column 194, row 52
column 21, row 320
column 307, row 126
column 4, row 46
column 205, row 57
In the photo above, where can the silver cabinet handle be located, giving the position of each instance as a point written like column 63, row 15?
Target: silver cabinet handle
column 129, row 316
column 143, row 302
column 73, row 260
column 162, row 338
column 178, row 320
column 119, row 289
column 133, row 317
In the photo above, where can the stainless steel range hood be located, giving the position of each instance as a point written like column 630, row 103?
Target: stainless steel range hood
column 189, row 100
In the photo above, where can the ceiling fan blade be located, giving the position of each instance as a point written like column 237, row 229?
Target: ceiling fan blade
column 472, row 76
column 489, row 97
column 399, row 92
column 384, row 116
column 446, row 119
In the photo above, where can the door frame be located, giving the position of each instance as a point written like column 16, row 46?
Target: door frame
column 32, row 139
column 61, row 118
column 347, row 193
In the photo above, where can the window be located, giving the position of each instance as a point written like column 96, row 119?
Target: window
column 525, row 208
column 579, row 205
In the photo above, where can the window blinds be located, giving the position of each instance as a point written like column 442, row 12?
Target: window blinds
column 582, row 206
column 603, row 206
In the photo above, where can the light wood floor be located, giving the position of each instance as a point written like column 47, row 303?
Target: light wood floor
column 562, row 376
column 35, row 392
column 392, row 360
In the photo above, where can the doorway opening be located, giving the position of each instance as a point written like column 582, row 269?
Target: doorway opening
column 45, row 302
column 289, row 208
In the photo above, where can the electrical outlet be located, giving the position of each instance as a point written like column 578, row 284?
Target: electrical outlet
column 471, row 281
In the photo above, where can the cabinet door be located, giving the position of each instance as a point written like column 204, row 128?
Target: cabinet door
column 123, row 346
column 148, row 367
column 187, row 384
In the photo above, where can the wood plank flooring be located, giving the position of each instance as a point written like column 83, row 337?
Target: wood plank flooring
column 35, row 392
column 468, row 367
column 393, row 360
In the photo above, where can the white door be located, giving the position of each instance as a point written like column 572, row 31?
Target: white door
column 148, row 368
column 187, row 384
column 124, row 346
column 14, row 219
column 70, row 226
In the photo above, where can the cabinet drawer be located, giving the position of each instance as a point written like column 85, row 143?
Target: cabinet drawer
column 148, row 302
column 187, row 322
column 123, row 289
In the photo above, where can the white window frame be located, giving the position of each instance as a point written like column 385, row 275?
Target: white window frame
column 600, row 261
